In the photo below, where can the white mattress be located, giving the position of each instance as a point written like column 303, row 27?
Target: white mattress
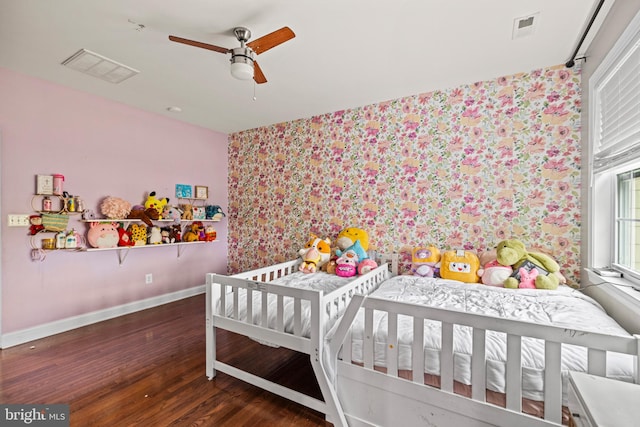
column 313, row 281
column 561, row 307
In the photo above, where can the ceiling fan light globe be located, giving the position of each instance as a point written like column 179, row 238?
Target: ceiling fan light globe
column 242, row 71
column 242, row 63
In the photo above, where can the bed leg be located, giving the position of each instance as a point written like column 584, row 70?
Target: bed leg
column 210, row 331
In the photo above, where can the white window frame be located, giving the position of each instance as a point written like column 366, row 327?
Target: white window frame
column 602, row 192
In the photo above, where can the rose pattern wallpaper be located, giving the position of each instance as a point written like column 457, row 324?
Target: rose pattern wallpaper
column 461, row 168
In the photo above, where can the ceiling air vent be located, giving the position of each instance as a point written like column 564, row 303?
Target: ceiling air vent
column 99, row 66
column 524, row 26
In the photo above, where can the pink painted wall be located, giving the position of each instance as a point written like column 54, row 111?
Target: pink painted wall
column 103, row 148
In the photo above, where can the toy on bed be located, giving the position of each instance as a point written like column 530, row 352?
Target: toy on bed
column 155, row 203
column 491, row 272
column 514, row 253
column 348, row 237
column 115, row 207
column 424, row 260
column 315, row 254
column 460, row 265
column 353, row 260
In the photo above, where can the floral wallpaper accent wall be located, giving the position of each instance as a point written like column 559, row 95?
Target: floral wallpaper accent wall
column 459, row 168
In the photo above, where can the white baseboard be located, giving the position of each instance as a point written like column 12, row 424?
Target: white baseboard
column 42, row 331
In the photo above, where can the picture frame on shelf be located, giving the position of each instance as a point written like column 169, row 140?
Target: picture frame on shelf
column 184, row 191
column 44, row 184
column 201, row 192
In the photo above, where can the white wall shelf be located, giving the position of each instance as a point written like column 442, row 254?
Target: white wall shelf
column 123, row 251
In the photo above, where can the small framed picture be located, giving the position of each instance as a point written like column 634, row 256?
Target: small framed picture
column 202, row 192
column 44, row 184
column 183, row 191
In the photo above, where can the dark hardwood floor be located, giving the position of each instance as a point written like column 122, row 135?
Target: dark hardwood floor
column 148, row 369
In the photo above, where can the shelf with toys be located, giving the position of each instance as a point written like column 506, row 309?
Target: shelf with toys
column 154, row 224
column 121, row 227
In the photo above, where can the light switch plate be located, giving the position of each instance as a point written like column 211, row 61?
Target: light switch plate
column 21, row 220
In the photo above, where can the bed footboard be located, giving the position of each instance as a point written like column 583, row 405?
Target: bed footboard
column 280, row 315
column 399, row 393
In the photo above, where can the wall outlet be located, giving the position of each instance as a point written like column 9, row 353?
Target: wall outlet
column 18, row 220
column 148, row 278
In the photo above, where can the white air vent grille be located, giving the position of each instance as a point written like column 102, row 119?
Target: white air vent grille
column 99, row 66
column 525, row 25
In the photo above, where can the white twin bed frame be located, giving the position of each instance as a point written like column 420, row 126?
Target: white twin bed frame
column 359, row 395
column 222, row 291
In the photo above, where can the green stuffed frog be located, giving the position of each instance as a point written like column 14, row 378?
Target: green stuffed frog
column 513, row 253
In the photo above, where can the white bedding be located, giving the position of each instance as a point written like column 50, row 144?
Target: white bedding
column 313, row 281
column 562, row 307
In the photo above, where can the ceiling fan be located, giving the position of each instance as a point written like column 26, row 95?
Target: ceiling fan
column 243, row 65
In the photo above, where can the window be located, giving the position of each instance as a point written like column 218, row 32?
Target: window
column 615, row 157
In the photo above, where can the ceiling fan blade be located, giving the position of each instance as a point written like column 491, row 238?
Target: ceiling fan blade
column 265, row 43
column 200, row 44
column 258, row 76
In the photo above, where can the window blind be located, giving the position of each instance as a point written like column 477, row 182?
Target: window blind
column 618, row 112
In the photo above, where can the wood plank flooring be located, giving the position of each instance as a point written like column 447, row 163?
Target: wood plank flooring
column 148, row 369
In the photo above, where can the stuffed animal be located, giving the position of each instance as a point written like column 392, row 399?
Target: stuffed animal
column 528, row 278
column 103, row 234
column 88, row 214
column 36, row 224
column 172, row 212
column 513, row 253
column 138, row 234
column 192, row 233
column 155, row 236
column 210, row 233
column 348, row 237
column 114, row 207
column 366, row 265
column 187, row 212
column 175, row 233
column 460, row 265
column 491, row 272
column 346, row 266
column 424, row 261
column 349, row 260
column 214, row 212
column 125, row 237
column 145, row 215
column 315, row 254
column 199, row 212
column 165, row 234
column 356, row 248
column 155, row 203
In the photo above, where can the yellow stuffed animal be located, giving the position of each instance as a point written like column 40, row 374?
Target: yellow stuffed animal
column 155, row 203
column 348, row 237
column 460, row 265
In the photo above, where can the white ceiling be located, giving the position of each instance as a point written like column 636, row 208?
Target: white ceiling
column 346, row 53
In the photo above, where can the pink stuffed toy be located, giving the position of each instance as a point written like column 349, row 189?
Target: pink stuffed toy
column 527, row 278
